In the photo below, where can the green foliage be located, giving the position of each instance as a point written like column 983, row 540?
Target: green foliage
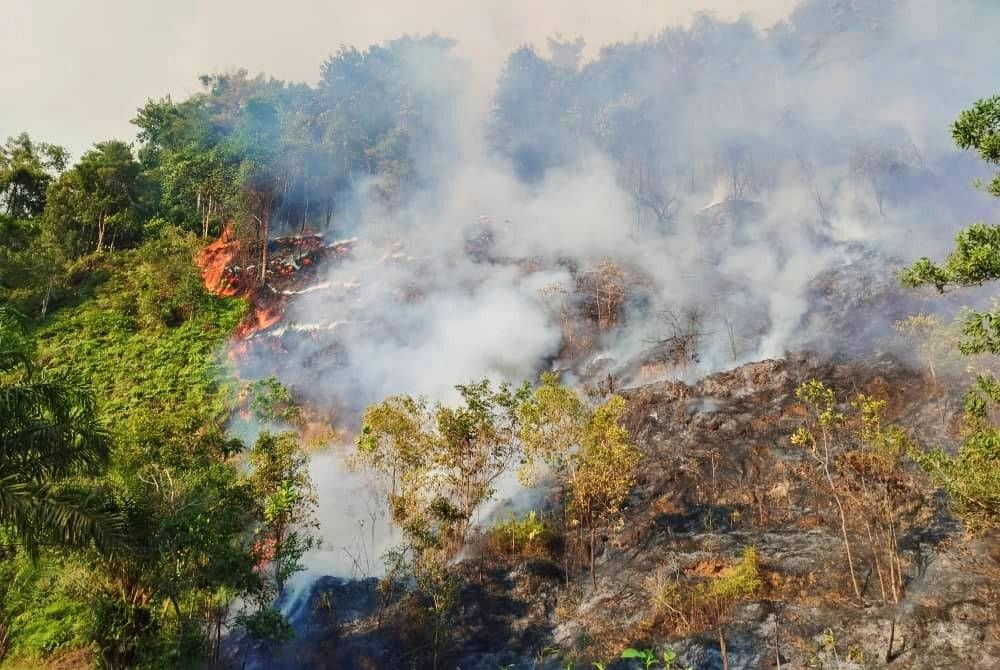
column 979, row 128
column 145, row 334
column 441, row 461
column 553, row 423
column 649, row 659
column 440, row 588
column 42, row 608
column 29, row 261
column 27, row 168
column 256, row 153
column 267, row 626
column 271, row 401
column 99, row 203
column 706, row 603
column 529, row 535
column 972, row 477
column 148, row 341
column 94, row 251
column 49, row 438
column 741, row 581
column 31, row 273
column 975, row 259
column 588, row 448
column 280, row 479
column 606, row 465
column 713, row 598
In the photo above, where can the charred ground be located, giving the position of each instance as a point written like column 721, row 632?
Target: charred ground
column 719, row 474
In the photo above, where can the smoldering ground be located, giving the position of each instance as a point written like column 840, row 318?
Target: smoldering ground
column 725, row 165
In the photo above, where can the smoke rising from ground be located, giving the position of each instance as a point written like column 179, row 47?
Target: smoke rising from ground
column 724, row 167
column 777, row 151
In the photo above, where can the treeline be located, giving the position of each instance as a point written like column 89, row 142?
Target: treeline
column 677, row 115
column 259, row 155
column 718, row 106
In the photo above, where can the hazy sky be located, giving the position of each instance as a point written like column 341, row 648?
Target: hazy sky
column 74, row 72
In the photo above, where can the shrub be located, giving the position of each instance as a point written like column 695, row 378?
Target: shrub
column 529, row 535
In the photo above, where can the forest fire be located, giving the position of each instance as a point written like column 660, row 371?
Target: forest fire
column 291, row 265
column 214, row 261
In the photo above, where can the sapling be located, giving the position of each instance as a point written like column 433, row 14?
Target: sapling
column 821, row 402
column 647, row 656
column 650, row 660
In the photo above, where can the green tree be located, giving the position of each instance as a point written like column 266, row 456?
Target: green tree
column 26, row 170
column 28, row 264
column 31, row 266
column 972, row 477
column 589, row 450
column 49, row 437
column 184, row 559
column 442, row 461
column 283, row 489
column 101, row 202
column 605, row 473
column 978, row 128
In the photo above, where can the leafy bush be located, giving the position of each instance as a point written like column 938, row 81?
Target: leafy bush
column 529, row 535
column 43, row 606
column 270, row 400
column 267, row 627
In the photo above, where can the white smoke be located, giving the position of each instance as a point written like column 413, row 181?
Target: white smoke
column 415, row 314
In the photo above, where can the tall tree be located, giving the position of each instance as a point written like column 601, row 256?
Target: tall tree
column 442, row 461
column 972, row 476
column 101, row 202
column 590, row 451
column 283, row 489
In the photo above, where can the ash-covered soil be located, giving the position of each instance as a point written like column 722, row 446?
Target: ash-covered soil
column 720, row 474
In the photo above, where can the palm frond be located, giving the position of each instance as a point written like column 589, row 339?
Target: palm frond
column 49, row 433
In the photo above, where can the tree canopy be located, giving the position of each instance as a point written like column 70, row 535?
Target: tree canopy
column 972, row 476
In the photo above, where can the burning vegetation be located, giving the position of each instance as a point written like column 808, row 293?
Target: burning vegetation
column 667, row 401
column 291, row 266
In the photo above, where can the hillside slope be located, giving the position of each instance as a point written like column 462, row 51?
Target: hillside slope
column 720, row 474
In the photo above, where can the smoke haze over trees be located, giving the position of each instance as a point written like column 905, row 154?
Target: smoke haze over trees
column 628, row 209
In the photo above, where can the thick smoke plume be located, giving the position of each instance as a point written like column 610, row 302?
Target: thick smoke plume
column 724, row 169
